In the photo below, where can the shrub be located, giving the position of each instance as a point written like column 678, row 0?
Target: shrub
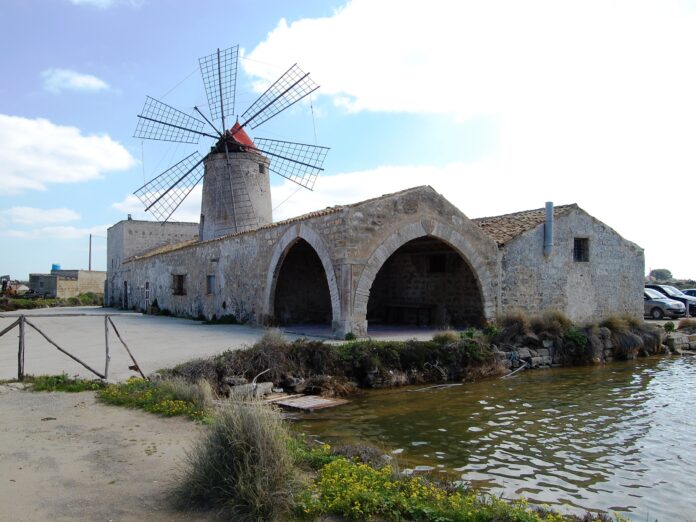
column 242, row 465
column 350, row 336
column 669, row 327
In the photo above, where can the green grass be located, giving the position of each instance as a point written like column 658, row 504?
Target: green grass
column 163, row 398
column 62, row 383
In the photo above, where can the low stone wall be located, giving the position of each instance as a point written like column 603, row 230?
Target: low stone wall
column 548, row 353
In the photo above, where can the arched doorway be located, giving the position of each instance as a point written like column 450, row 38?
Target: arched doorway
column 425, row 283
column 301, row 288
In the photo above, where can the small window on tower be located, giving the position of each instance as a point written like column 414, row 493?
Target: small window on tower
column 262, row 168
column 210, row 284
column 581, row 250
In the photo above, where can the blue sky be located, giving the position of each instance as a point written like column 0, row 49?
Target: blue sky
column 499, row 106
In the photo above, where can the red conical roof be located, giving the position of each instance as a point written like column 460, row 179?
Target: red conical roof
column 242, row 137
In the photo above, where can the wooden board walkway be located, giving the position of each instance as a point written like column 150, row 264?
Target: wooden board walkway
column 305, row 402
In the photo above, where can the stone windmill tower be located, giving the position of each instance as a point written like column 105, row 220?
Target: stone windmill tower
column 236, row 170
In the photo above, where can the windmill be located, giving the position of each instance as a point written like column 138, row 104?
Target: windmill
column 235, row 173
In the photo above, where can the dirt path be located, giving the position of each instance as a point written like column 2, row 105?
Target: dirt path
column 66, row 457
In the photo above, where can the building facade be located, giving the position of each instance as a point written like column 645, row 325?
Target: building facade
column 67, row 283
column 409, row 258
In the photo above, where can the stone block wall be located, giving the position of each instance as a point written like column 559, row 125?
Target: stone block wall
column 351, row 242
column 131, row 237
column 611, row 282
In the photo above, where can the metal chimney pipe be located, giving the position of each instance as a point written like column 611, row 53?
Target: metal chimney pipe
column 548, row 229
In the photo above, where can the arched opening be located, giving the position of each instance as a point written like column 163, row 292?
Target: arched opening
column 425, row 283
column 301, row 290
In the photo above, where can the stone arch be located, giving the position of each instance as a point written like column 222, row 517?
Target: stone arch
column 485, row 278
column 281, row 249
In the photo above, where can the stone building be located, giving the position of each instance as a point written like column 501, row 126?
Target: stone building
column 67, row 283
column 408, row 258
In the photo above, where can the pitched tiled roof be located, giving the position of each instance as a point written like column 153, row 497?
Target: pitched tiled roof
column 503, row 229
column 316, row 213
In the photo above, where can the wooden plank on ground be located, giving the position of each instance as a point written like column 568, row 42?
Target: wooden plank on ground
column 310, row 402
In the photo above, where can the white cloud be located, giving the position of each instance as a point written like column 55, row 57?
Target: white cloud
column 593, row 101
column 34, row 216
column 35, row 153
column 59, row 80
column 55, row 232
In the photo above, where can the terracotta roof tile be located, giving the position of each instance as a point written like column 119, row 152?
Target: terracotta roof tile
column 503, row 229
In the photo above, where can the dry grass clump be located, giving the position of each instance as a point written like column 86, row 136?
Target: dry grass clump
column 511, row 325
column 200, row 393
column 447, row 337
column 553, row 322
column 687, row 324
column 242, row 466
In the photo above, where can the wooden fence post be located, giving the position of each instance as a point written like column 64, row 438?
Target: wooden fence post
column 106, row 343
column 20, row 353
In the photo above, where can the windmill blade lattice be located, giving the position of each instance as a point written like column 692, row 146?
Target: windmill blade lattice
column 159, row 121
column 299, row 162
column 163, row 194
column 219, row 71
column 287, row 90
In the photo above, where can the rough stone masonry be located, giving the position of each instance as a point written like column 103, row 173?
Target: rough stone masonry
column 408, row 258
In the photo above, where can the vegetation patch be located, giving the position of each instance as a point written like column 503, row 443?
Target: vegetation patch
column 242, row 466
column 358, row 491
column 169, row 398
column 62, row 383
column 336, row 370
column 10, row 304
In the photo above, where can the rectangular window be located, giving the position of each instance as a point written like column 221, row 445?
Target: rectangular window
column 178, row 284
column 581, row 250
column 210, row 284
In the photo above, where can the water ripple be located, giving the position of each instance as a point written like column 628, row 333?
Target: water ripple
column 619, row 437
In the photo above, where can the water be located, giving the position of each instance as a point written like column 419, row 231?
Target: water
column 617, row 438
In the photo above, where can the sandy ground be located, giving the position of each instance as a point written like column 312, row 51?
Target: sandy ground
column 66, row 457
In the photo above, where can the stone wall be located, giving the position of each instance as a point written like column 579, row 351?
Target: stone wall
column 611, row 282
column 131, row 237
column 351, row 242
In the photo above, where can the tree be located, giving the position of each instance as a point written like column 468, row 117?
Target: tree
column 661, row 274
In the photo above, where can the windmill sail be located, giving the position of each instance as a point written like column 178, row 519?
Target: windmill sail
column 287, row 90
column 163, row 194
column 159, row 121
column 299, row 162
column 219, row 72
